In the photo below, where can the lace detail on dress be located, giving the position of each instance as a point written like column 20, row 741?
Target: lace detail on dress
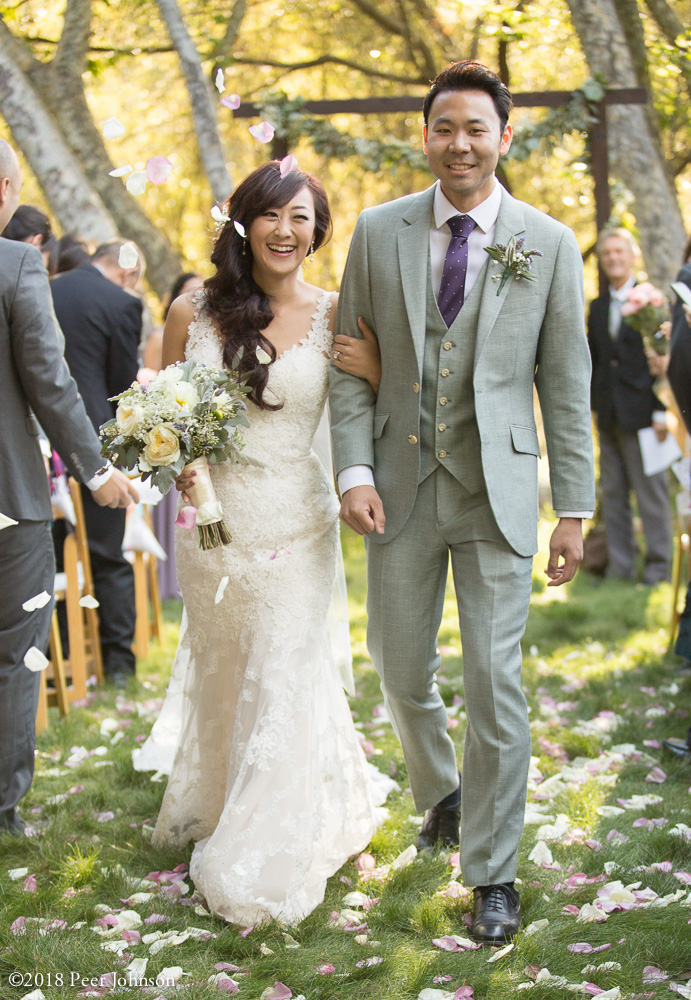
column 268, row 778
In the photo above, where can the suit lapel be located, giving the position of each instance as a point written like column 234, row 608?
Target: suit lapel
column 509, row 223
column 413, row 253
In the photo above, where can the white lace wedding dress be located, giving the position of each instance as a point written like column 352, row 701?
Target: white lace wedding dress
column 268, row 777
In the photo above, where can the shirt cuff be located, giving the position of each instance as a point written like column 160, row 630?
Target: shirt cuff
column 583, row 514
column 354, row 475
column 659, row 416
column 96, row 482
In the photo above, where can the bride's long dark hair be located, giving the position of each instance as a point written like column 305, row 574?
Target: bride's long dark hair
column 233, row 298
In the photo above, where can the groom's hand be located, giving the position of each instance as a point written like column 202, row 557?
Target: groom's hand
column 567, row 543
column 362, row 510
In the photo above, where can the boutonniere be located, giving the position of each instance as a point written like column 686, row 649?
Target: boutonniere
column 514, row 259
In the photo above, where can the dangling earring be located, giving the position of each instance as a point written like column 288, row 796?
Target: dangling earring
column 310, row 252
column 244, row 246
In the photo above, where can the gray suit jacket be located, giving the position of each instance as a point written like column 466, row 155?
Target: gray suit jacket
column 34, row 377
column 531, row 334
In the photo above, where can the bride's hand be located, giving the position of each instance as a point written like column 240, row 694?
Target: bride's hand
column 184, row 482
column 358, row 356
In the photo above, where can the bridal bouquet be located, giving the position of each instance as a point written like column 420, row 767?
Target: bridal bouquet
column 186, row 417
column 645, row 311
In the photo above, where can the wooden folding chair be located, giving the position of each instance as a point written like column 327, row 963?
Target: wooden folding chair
column 682, row 554
column 146, row 594
column 92, row 638
column 55, row 670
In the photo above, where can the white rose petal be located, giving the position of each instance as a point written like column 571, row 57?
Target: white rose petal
column 88, row 602
column 221, row 589
column 128, row 256
column 6, row 522
column 541, row 854
column 500, row 954
column 262, row 357
column 239, row 228
column 112, row 129
column 39, row 601
column 136, row 182
column 35, row 660
column 537, row 925
column 218, row 216
column 34, row 995
column 121, row 171
column 220, row 81
column 171, row 974
column 405, row 858
column 17, row 873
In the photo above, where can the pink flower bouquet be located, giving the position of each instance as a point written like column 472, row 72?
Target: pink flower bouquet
column 645, row 310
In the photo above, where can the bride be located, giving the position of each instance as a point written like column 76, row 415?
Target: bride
column 266, row 772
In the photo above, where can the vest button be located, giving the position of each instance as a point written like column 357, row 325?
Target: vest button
column 412, row 439
column 443, row 401
column 442, row 427
column 416, row 386
column 442, row 453
column 445, row 372
column 448, row 345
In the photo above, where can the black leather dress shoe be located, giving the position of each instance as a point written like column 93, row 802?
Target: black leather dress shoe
column 11, row 823
column 680, row 748
column 496, row 913
column 440, row 826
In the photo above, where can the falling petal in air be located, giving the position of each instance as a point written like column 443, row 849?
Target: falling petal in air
column 264, row 132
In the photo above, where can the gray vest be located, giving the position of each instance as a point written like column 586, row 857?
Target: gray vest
column 449, row 434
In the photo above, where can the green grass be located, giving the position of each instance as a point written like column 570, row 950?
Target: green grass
column 594, row 647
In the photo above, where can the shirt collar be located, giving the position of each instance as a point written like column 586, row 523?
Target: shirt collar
column 483, row 215
column 621, row 293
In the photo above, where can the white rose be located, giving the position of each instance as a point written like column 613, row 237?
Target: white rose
column 162, row 446
column 185, row 395
column 170, row 374
column 128, row 416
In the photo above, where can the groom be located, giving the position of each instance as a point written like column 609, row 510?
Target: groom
column 444, row 462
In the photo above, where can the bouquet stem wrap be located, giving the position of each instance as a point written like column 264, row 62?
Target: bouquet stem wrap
column 212, row 530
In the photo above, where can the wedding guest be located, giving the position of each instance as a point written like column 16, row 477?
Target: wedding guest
column 102, row 322
column 72, row 251
column 624, row 401
column 33, row 377
column 30, row 225
column 164, row 513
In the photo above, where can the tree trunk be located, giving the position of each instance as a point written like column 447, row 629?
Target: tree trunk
column 634, row 149
column 201, row 100
column 60, row 81
column 74, row 201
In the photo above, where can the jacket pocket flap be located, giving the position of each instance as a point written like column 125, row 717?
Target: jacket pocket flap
column 525, row 440
column 379, row 422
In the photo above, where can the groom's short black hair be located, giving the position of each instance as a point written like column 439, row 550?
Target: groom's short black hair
column 471, row 75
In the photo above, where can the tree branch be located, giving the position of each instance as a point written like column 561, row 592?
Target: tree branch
column 225, row 46
column 632, row 27
column 323, row 60
column 20, row 52
column 666, row 19
column 74, row 38
column 383, row 20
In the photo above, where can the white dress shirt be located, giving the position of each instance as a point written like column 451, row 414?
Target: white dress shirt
column 485, row 217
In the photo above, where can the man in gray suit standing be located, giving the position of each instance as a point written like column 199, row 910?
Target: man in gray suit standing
column 34, row 379
column 444, row 462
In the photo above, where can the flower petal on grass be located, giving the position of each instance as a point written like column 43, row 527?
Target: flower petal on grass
column 653, row 974
column 279, row 991
column 264, row 132
column 500, row 954
column 446, row 943
column 35, row 660
column 112, row 129
column 541, row 854
column 232, row 101
column 16, row 873
column 158, row 169
column 128, row 256
column 537, row 925
column 29, row 883
column 18, row 926
column 325, row 969
column 656, row 775
column 39, row 601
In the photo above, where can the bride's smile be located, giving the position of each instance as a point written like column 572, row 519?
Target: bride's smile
column 280, row 238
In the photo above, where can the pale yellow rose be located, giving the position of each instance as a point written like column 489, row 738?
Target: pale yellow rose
column 128, row 416
column 185, row 395
column 162, row 446
column 170, row 374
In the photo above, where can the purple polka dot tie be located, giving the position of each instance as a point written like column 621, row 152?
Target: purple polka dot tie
column 452, row 288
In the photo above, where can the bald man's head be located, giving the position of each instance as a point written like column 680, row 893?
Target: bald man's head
column 10, row 183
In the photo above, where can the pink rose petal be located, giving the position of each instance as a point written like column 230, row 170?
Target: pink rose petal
column 29, row 883
column 233, row 101
column 264, row 132
column 18, row 926
column 325, row 969
column 228, row 985
column 247, row 931
column 155, row 918
column 105, row 817
column 288, row 163
column 366, row 862
column 132, row 937
column 653, row 744
column 446, row 943
column 684, row 877
column 226, row 967
column 656, row 775
column 158, row 169
column 662, row 866
column 653, row 974
column 279, row 991
column 463, row 993
column 187, row 518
